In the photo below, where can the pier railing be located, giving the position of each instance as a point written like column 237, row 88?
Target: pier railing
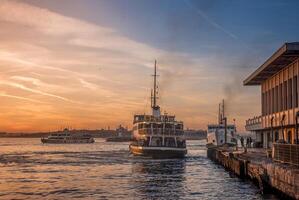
column 286, row 153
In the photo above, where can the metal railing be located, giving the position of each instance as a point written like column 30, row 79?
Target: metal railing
column 286, row 153
column 254, row 123
column 254, row 120
column 159, row 131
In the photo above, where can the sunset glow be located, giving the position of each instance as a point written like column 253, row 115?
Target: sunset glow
column 57, row 70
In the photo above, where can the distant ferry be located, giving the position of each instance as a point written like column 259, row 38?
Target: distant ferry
column 156, row 135
column 221, row 133
column 65, row 137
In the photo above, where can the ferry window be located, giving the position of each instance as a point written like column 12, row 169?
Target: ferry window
column 156, row 141
column 147, row 125
column 181, row 143
column 140, row 126
column 168, row 126
column 169, row 142
column 159, row 126
column 178, row 126
column 147, row 141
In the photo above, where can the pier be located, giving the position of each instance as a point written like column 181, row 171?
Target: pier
column 256, row 165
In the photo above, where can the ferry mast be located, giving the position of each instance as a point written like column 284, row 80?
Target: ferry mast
column 155, row 107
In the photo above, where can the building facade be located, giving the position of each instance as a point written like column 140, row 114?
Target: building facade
column 278, row 79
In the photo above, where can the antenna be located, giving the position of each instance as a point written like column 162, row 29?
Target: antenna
column 151, row 97
column 155, row 107
column 223, row 114
column 219, row 114
column 155, row 87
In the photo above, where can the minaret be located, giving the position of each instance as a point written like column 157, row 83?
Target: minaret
column 155, row 107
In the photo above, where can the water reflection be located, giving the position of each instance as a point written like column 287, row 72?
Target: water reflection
column 31, row 170
column 159, row 178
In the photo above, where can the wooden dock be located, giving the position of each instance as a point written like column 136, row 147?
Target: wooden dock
column 270, row 176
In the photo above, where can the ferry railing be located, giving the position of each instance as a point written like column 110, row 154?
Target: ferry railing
column 159, row 131
column 286, row 153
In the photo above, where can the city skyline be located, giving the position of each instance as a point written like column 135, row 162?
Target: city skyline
column 89, row 64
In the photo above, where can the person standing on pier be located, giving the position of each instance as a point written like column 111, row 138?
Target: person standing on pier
column 247, row 142
column 242, row 141
column 250, row 141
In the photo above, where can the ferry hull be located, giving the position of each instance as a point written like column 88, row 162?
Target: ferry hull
column 49, row 141
column 158, row 152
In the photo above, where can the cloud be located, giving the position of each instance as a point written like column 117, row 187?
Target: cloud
column 23, row 87
column 19, row 98
column 210, row 21
column 44, row 20
column 34, row 81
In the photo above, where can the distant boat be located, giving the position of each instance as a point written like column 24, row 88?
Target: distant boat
column 156, row 135
column 123, row 135
column 66, row 137
column 221, row 133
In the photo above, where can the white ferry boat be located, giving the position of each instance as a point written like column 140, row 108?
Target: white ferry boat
column 156, row 135
column 66, row 137
column 221, row 133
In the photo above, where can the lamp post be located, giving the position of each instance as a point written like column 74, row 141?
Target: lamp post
column 235, row 125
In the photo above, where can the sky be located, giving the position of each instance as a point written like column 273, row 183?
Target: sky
column 88, row 64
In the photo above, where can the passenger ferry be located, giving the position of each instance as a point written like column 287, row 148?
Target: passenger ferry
column 66, row 137
column 156, row 135
column 221, row 133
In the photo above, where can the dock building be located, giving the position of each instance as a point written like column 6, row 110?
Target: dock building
column 278, row 79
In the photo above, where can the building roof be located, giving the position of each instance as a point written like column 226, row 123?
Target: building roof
column 279, row 60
